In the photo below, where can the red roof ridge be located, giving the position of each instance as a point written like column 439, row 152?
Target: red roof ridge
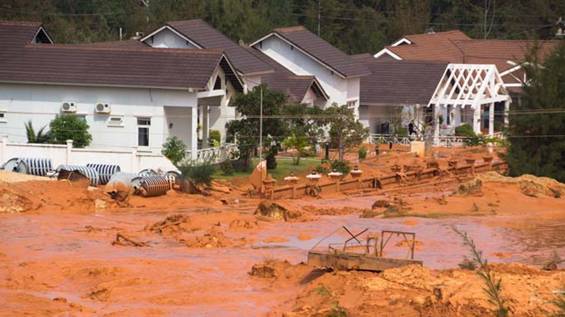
column 207, row 51
column 295, row 28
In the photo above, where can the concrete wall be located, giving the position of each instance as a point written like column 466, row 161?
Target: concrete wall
column 340, row 90
column 129, row 160
column 42, row 103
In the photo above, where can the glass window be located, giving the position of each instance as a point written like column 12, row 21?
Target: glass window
column 3, row 116
column 143, row 136
column 143, row 124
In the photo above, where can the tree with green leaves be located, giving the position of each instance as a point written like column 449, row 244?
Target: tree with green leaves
column 536, row 130
column 70, row 127
column 246, row 130
column 174, row 149
column 345, row 130
column 298, row 143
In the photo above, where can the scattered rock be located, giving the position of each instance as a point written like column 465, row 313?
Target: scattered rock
column 276, row 211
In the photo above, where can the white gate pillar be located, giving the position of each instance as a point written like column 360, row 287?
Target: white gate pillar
column 491, row 119
column 205, row 126
column 194, row 133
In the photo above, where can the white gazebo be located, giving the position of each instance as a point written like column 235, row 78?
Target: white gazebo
column 461, row 94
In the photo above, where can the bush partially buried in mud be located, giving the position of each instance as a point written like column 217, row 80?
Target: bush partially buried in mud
column 472, row 187
column 276, row 211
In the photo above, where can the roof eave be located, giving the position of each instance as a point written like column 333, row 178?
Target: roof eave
column 98, row 85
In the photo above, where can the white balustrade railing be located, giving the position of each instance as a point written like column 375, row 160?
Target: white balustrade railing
column 388, row 138
column 215, row 155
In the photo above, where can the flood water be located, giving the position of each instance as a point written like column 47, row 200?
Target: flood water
column 172, row 278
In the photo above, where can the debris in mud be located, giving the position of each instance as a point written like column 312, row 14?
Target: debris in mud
column 370, row 213
column 276, row 211
column 171, row 224
column 101, row 294
column 242, row 224
column 213, row 238
column 263, row 271
column 10, row 202
column 381, row 203
column 122, row 240
column 472, row 187
column 529, row 185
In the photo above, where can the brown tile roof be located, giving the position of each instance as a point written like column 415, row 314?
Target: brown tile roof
column 18, row 32
column 206, row 36
column 431, row 47
column 323, row 51
column 103, row 66
column 283, row 80
column 399, row 82
column 116, row 44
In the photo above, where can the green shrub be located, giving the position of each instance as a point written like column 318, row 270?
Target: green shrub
column 70, row 127
column 340, row 166
column 321, row 169
column 362, row 153
column 401, row 131
column 227, row 168
column 271, row 158
column 198, row 174
column 215, row 138
column 464, row 130
column 32, row 137
column 174, row 149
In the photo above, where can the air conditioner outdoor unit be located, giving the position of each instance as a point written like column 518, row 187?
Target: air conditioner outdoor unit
column 103, row 108
column 69, row 107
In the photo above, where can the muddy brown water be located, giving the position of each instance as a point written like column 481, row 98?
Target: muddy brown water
column 172, row 279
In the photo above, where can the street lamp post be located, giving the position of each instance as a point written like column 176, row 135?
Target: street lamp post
column 261, row 125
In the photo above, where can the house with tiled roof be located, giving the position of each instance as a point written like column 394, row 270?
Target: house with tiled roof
column 481, row 80
column 305, row 54
column 131, row 96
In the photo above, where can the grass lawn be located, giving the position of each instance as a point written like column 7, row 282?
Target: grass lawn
column 284, row 167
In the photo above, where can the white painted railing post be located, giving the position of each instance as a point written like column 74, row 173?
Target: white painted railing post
column 194, row 134
column 134, row 161
column 3, row 149
column 69, row 152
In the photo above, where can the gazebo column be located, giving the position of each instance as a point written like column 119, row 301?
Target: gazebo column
column 436, row 124
column 506, row 113
column 491, row 119
column 477, row 119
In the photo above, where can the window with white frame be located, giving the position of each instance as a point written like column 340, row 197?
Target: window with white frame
column 115, row 121
column 143, row 124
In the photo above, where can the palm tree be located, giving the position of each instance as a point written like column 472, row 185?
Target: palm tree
column 39, row 137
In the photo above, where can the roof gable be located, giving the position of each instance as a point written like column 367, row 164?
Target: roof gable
column 202, row 35
column 398, row 82
column 22, row 33
column 319, row 50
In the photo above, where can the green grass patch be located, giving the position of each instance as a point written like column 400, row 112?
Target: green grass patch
column 284, row 167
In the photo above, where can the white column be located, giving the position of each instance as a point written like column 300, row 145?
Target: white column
column 69, row 152
column 134, row 161
column 436, row 124
column 3, row 149
column 477, row 119
column 506, row 113
column 491, row 119
column 194, row 133
column 205, row 126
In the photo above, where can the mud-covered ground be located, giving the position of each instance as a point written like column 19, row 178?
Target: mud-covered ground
column 69, row 250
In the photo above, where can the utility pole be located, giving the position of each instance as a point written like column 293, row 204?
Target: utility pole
column 319, row 17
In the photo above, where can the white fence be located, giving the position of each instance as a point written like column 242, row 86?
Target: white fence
column 214, row 155
column 129, row 160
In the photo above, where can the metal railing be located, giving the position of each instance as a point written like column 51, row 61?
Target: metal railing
column 215, row 155
column 388, row 138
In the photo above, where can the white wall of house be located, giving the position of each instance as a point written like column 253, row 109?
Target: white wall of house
column 340, row 90
column 168, row 39
column 42, row 103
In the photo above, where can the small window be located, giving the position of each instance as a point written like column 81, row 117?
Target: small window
column 3, row 116
column 351, row 104
column 143, row 125
column 218, row 83
column 116, row 121
column 144, row 121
